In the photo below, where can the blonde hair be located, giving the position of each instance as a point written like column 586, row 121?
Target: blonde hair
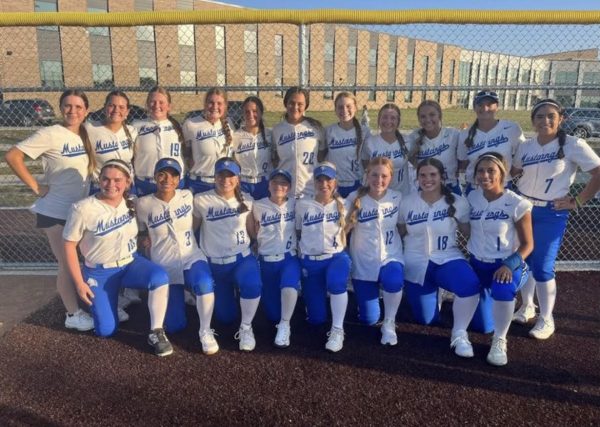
column 364, row 189
column 339, row 203
column 223, row 119
column 399, row 137
column 355, row 122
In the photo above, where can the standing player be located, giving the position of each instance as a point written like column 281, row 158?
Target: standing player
column 485, row 135
column 159, row 136
column 165, row 219
column 209, row 137
column 103, row 226
column 225, row 228
column 376, row 248
column 389, row 143
column 275, row 225
column 252, row 149
column 68, row 162
column 343, row 144
column 547, row 164
column 320, row 221
column 297, row 141
column 500, row 239
column 430, row 220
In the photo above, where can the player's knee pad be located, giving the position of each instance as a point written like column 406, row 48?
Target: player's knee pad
column 338, row 272
column 247, row 276
column 105, row 327
column 290, row 273
column 157, row 277
column 503, row 291
column 367, row 301
column 199, row 278
column 391, row 277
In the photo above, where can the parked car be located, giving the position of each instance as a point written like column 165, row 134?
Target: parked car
column 135, row 113
column 582, row 122
column 234, row 112
column 26, row 112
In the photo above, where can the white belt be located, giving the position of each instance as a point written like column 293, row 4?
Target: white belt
column 488, row 260
column 347, row 183
column 252, row 179
column 119, row 263
column 537, row 202
column 276, row 257
column 209, row 179
column 229, row 259
column 318, row 257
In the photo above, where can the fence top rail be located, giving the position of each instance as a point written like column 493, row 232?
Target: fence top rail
column 243, row 16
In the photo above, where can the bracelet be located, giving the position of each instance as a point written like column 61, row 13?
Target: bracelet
column 578, row 201
column 513, row 261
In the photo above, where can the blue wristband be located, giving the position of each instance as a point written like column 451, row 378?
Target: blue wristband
column 513, row 261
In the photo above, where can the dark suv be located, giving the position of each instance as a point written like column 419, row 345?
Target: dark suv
column 582, row 122
column 26, row 112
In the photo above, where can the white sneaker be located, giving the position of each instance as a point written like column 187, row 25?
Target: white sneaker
column 79, row 320
column 208, row 341
column 388, row 332
column 461, row 344
column 543, row 329
column 497, row 355
column 189, row 298
column 246, row 337
column 282, row 338
column 335, row 342
column 129, row 296
column 122, row 314
column 524, row 314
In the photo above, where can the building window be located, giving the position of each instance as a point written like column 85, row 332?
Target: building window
column 392, row 59
column 410, row 61
column 46, row 6
column 278, row 45
column 566, row 77
column 328, row 52
column 185, row 35
column 102, row 75
column 373, row 57
column 328, row 94
column 425, row 66
column 591, row 78
column 408, row 96
column 144, row 33
column 148, row 77
column 371, row 95
column 279, row 82
column 251, row 82
column 187, row 78
column 250, row 42
column 390, row 96
column 51, row 74
column 351, row 54
column 219, row 37
column 221, row 81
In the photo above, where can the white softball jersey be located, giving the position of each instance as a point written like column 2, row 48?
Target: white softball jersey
column 547, row 177
column 297, row 147
column 320, row 227
column 223, row 230
column 208, row 143
column 375, row 240
column 154, row 141
column 277, row 231
column 109, row 145
column 431, row 233
column 443, row 147
column 253, row 153
column 504, row 138
column 341, row 151
column 376, row 146
column 493, row 232
column 65, row 163
column 170, row 229
column 105, row 234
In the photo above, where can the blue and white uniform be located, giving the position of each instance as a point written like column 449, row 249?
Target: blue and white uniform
column 155, row 140
column 376, row 146
column 297, row 147
column 253, row 153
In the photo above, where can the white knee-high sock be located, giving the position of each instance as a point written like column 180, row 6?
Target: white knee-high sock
column 338, row 304
column 248, row 307
column 502, row 312
column 463, row 310
column 546, row 293
column 289, row 296
column 528, row 291
column 205, row 305
column 158, row 300
column 391, row 302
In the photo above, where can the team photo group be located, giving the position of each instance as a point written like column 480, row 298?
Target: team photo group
column 228, row 219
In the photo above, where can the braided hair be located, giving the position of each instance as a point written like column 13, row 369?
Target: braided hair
column 561, row 134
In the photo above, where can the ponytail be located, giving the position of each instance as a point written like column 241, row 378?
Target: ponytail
column 562, row 138
column 400, row 139
column 449, row 199
column 129, row 137
column 240, row 198
column 412, row 155
column 227, row 133
column 359, row 137
column 471, row 135
column 87, row 144
column 339, row 202
column 360, row 193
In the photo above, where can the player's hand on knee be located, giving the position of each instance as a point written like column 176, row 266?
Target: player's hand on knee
column 503, row 275
column 85, row 293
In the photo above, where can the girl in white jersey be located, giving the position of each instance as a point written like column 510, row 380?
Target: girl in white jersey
column 500, row 239
column 275, row 225
column 68, row 162
column 252, row 149
column 433, row 140
column 297, row 141
column 343, row 144
column 376, row 248
column 103, row 226
column 158, row 136
column 166, row 219
column 430, row 220
column 226, row 226
column 547, row 164
column 320, row 222
column 486, row 134
column 209, row 137
column 389, row 143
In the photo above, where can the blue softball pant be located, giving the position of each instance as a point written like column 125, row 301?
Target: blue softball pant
column 455, row 276
column 345, row 190
column 105, row 283
column 276, row 276
column 257, row 190
column 243, row 274
column 318, row 278
column 198, row 279
column 483, row 320
column 548, row 230
column 143, row 187
column 391, row 278
column 196, row 185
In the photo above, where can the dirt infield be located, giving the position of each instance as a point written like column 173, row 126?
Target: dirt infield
column 53, row 377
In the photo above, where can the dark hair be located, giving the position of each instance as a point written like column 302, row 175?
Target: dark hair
column 259, row 104
column 399, row 137
column 497, row 159
column 412, row 156
column 223, row 119
column 299, row 90
column 448, row 195
column 87, row 144
column 121, row 94
column 237, row 191
column 561, row 134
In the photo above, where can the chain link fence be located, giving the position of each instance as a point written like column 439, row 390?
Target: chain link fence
column 404, row 64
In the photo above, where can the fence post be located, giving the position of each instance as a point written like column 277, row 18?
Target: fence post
column 302, row 55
